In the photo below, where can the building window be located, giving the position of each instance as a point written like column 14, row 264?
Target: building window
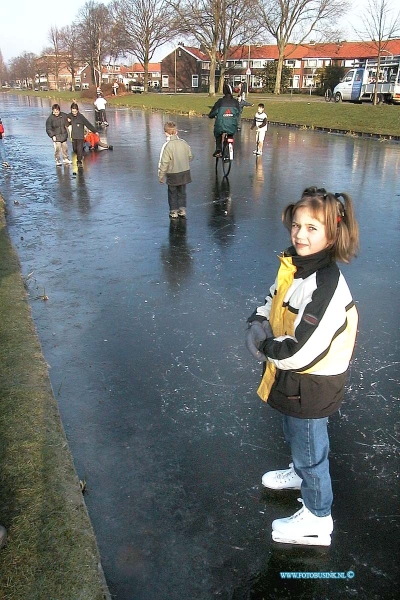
column 165, row 81
column 195, row 81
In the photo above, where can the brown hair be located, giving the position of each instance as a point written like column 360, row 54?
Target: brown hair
column 170, row 128
column 336, row 211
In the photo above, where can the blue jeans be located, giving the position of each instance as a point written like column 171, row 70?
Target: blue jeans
column 309, row 444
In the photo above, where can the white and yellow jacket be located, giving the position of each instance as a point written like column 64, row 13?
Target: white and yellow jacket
column 314, row 321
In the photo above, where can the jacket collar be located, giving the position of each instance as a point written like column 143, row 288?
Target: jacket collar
column 306, row 265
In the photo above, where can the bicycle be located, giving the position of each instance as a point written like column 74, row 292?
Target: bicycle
column 226, row 154
column 100, row 118
column 328, row 95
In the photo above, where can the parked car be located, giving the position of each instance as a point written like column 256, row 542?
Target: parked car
column 137, row 88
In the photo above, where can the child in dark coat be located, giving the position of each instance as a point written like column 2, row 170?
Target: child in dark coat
column 78, row 123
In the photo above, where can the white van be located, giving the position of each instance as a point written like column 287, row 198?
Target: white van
column 359, row 83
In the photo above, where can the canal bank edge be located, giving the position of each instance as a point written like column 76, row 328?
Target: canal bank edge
column 363, row 134
column 51, row 543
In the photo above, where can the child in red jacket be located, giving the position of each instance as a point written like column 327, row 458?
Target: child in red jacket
column 2, row 152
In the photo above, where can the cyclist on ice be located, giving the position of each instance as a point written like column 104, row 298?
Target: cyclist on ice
column 226, row 112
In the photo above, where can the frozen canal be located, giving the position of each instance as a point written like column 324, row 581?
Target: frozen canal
column 144, row 336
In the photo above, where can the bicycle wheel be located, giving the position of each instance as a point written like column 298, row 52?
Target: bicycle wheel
column 328, row 95
column 226, row 159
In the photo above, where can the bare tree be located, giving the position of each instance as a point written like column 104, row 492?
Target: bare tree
column 3, row 70
column 44, row 66
column 23, row 68
column 381, row 23
column 217, row 25
column 292, row 21
column 201, row 20
column 54, row 37
column 69, row 47
column 239, row 26
column 94, row 31
column 140, row 27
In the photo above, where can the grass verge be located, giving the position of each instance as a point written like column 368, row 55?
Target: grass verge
column 51, row 551
column 299, row 110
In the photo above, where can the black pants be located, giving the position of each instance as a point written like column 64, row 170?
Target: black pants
column 77, row 146
column 218, row 143
column 176, row 196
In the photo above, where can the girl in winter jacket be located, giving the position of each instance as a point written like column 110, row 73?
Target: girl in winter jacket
column 305, row 334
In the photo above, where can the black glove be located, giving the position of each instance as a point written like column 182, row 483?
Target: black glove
column 257, row 333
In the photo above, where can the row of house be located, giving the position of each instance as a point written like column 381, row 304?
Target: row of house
column 113, row 73
column 187, row 69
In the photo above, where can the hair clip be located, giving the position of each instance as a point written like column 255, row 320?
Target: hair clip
column 340, row 207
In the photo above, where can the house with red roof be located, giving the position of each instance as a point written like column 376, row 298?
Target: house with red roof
column 154, row 74
column 128, row 74
column 121, row 74
column 187, row 69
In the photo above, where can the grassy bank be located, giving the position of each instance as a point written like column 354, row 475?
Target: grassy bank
column 51, row 551
column 299, row 110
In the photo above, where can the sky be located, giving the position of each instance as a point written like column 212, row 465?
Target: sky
column 25, row 24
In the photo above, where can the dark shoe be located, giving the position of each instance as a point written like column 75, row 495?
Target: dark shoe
column 80, row 165
column 217, row 154
column 111, row 147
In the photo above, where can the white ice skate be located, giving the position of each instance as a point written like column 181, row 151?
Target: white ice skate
column 286, row 479
column 303, row 528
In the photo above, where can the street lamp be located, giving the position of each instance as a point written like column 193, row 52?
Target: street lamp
column 175, row 69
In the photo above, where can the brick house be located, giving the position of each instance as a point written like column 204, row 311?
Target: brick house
column 119, row 73
column 154, row 73
column 187, row 69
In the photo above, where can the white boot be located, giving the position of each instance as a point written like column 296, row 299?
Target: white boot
column 303, row 528
column 282, row 480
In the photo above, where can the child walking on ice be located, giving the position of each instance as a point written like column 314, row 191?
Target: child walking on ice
column 260, row 122
column 305, row 333
column 174, row 161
